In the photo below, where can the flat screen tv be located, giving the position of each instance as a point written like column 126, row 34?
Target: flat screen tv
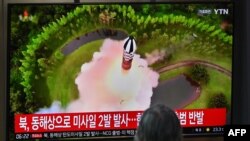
column 89, row 70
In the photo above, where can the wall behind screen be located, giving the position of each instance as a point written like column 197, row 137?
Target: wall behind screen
column 241, row 75
column 2, row 80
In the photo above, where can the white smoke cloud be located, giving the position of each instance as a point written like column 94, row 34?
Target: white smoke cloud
column 155, row 56
column 104, row 86
column 55, row 107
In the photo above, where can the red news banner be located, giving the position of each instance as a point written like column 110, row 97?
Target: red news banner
column 34, row 123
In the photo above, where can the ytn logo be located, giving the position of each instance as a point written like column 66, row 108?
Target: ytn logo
column 221, row 11
column 236, row 132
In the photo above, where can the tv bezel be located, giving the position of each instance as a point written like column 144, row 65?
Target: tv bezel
column 236, row 73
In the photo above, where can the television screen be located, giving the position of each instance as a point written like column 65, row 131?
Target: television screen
column 90, row 70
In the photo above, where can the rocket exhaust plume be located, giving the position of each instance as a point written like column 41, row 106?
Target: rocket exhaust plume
column 128, row 52
column 103, row 85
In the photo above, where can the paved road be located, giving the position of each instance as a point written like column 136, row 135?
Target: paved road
column 192, row 62
column 92, row 36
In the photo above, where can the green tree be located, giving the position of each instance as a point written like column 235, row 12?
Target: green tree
column 146, row 9
column 199, row 73
column 15, row 102
column 217, row 100
column 59, row 55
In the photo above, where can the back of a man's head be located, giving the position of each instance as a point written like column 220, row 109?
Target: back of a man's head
column 159, row 123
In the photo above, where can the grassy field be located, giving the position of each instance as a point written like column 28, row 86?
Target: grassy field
column 217, row 58
column 62, row 82
column 223, row 60
column 173, row 73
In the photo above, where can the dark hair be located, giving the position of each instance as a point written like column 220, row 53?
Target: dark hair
column 159, row 123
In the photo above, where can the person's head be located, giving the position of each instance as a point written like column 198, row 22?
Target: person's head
column 159, row 123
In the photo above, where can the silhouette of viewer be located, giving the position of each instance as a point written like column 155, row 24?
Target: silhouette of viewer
column 159, row 123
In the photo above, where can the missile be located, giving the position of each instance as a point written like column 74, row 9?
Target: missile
column 128, row 52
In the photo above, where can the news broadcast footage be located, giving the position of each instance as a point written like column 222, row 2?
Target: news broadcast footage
column 90, row 70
